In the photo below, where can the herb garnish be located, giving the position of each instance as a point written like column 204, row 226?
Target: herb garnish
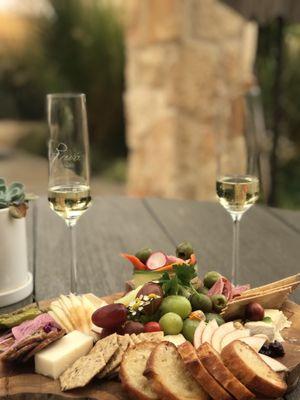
column 180, row 281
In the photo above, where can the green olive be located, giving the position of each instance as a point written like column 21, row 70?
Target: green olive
column 144, row 254
column 202, row 302
column 184, row 250
column 217, row 317
column 189, row 327
column 203, row 290
column 211, row 278
column 219, row 302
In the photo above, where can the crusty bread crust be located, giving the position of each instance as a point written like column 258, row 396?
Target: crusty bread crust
column 247, row 373
column 188, row 353
column 126, row 375
column 160, row 383
column 215, row 366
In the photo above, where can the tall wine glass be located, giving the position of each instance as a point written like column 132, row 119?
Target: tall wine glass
column 68, row 153
column 237, row 183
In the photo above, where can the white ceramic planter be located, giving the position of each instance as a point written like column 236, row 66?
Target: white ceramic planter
column 15, row 279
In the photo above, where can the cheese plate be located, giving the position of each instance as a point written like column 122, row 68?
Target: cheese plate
column 21, row 379
column 171, row 335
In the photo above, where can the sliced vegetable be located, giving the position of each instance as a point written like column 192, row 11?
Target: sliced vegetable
column 156, row 260
column 175, row 260
column 193, row 259
column 134, row 261
column 167, row 267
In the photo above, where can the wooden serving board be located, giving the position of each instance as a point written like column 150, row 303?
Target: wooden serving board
column 20, row 379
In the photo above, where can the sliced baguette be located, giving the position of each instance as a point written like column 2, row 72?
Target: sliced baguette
column 215, row 366
column 189, row 356
column 252, row 371
column 131, row 372
column 169, row 377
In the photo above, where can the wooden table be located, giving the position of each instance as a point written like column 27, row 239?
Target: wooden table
column 269, row 243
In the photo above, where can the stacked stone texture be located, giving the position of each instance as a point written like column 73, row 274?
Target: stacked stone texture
column 187, row 63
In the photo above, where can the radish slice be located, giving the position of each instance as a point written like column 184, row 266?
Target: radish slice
column 173, row 259
column 156, row 260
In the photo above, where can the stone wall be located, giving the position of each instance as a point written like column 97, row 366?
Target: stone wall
column 187, row 64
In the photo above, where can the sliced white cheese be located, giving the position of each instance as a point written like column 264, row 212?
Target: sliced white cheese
column 198, row 334
column 175, row 339
column 209, row 330
column 58, row 356
column 256, row 341
column 260, row 327
column 235, row 335
column 218, row 335
column 274, row 364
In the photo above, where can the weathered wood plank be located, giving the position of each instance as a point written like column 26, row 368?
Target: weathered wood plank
column 294, row 395
column 289, row 217
column 269, row 249
column 111, row 226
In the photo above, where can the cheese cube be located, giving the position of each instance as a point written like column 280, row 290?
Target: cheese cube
column 58, row 356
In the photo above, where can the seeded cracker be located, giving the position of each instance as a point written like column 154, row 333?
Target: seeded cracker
column 123, row 342
column 107, row 346
column 82, row 371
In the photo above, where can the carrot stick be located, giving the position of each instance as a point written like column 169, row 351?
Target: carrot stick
column 193, row 259
column 137, row 263
column 167, row 267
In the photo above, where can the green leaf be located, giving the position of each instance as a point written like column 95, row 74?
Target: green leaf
column 185, row 273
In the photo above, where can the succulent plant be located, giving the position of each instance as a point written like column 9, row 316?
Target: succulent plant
column 14, row 198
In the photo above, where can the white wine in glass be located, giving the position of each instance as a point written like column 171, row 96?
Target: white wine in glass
column 68, row 188
column 237, row 193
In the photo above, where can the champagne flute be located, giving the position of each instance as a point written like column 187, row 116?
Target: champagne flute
column 68, row 154
column 237, row 184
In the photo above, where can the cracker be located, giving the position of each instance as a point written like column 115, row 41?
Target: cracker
column 82, row 371
column 114, row 363
column 152, row 336
column 107, row 346
column 52, row 337
column 135, row 338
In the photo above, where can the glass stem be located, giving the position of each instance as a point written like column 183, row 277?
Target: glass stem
column 235, row 248
column 73, row 259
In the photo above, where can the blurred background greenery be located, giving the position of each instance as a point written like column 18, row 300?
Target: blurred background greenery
column 79, row 46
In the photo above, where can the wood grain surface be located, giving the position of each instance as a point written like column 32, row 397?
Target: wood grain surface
column 270, row 243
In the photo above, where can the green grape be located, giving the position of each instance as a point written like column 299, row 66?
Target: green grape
column 171, row 323
column 176, row 304
column 189, row 327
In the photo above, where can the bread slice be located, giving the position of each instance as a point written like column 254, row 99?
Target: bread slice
column 189, row 355
column 131, row 372
column 215, row 366
column 169, row 377
column 250, row 369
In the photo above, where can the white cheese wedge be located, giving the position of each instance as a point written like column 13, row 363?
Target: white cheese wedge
column 274, row 364
column 175, row 339
column 198, row 334
column 279, row 320
column 235, row 335
column 260, row 327
column 209, row 330
column 218, row 335
column 256, row 341
column 58, row 356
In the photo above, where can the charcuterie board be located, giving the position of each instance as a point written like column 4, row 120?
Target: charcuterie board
column 20, row 378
